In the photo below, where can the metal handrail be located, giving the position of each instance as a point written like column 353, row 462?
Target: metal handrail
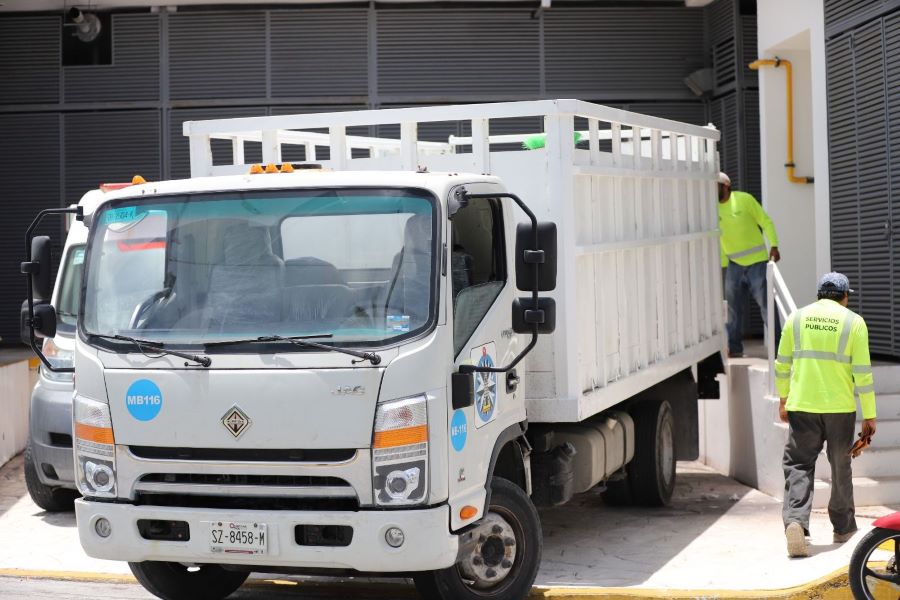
column 778, row 296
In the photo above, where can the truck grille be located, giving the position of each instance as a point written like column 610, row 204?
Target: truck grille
column 248, row 503
column 244, row 454
column 225, row 479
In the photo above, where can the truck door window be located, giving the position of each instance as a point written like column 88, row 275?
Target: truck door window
column 477, row 266
column 70, row 289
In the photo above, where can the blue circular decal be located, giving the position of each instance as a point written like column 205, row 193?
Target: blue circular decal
column 459, row 430
column 143, row 400
column 485, row 389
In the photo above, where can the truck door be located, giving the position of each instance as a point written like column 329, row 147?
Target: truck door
column 482, row 335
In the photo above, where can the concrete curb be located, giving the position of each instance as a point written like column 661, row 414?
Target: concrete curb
column 834, row 586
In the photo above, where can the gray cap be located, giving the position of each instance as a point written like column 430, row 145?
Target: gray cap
column 834, row 282
column 724, row 179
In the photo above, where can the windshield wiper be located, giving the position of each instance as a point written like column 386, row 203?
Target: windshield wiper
column 156, row 347
column 304, row 342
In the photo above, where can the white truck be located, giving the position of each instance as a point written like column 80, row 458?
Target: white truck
column 381, row 362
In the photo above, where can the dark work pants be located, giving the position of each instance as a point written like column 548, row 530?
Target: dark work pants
column 808, row 432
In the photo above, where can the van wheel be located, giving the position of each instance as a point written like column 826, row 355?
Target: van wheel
column 652, row 471
column 175, row 581
column 504, row 557
column 51, row 499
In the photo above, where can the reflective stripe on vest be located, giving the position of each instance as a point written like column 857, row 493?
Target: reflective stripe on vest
column 746, row 252
column 838, row 356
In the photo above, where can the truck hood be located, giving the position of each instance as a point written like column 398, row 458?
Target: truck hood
column 284, row 409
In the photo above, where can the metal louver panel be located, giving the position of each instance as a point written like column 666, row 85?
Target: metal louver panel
column 217, row 55
column 842, row 157
column 134, row 74
column 841, row 15
column 720, row 20
column 179, row 150
column 752, row 179
column 29, row 176
column 621, row 53
column 109, row 146
column 724, row 115
column 750, row 52
column 304, row 65
column 892, row 82
column 875, row 285
column 494, row 52
column 29, row 59
column 686, row 112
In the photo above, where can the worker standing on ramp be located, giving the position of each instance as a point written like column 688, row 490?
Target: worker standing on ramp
column 822, row 363
column 744, row 256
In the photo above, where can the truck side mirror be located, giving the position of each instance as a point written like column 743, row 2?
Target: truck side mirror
column 44, row 321
column 463, row 389
column 525, row 315
column 544, row 256
column 39, row 268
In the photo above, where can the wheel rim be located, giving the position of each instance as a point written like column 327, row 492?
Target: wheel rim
column 667, row 453
column 496, row 558
column 879, row 571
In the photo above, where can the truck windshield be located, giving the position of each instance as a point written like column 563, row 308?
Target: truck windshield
column 356, row 265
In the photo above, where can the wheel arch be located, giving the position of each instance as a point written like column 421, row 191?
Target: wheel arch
column 509, row 459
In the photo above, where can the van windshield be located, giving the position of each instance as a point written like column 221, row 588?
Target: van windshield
column 357, row 265
column 70, row 289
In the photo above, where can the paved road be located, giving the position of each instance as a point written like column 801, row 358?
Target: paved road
column 44, row 589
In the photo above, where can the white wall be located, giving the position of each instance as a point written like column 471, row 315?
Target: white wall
column 795, row 31
column 16, row 382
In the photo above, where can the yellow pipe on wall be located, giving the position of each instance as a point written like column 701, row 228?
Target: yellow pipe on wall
column 789, row 79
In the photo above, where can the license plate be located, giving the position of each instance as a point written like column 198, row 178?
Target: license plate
column 237, row 537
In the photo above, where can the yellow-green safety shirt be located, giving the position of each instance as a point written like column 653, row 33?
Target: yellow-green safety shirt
column 823, row 359
column 740, row 240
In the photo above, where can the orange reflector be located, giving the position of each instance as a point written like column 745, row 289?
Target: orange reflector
column 256, row 169
column 271, row 168
column 401, row 437
column 287, row 168
column 467, row 512
column 138, row 180
column 100, row 435
column 111, row 187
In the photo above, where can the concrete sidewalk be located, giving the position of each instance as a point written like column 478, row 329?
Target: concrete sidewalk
column 718, row 539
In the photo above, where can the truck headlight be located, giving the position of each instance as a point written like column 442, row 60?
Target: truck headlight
column 58, row 358
column 400, row 452
column 95, row 450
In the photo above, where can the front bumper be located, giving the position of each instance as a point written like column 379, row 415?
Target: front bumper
column 429, row 544
column 51, row 413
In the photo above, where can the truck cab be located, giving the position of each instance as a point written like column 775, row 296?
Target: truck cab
column 285, row 367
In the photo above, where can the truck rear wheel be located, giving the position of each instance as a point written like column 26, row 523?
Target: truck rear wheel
column 175, row 581
column 650, row 478
column 503, row 562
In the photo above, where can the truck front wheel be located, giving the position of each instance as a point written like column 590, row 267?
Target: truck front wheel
column 502, row 562
column 175, row 581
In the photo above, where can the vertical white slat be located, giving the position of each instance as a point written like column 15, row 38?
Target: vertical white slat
column 409, row 146
column 601, row 290
column 481, row 146
column 616, row 137
column 594, row 141
column 680, row 275
column 636, row 148
column 641, row 231
column 694, row 262
column 704, row 200
column 201, row 155
column 622, row 279
column 662, row 346
column 237, row 150
column 337, row 139
column 673, row 151
column 309, row 151
column 271, row 149
column 689, row 152
column 560, row 131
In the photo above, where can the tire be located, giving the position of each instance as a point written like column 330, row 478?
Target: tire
column 51, row 499
column 650, row 476
column 174, row 581
column 859, row 583
column 512, row 506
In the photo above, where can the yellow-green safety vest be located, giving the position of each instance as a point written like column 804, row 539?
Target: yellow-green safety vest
column 823, row 361
column 740, row 240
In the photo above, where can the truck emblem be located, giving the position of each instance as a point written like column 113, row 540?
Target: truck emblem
column 349, row 390
column 235, row 421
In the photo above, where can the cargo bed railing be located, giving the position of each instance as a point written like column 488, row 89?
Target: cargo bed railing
column 692, row 144
column 778, row 298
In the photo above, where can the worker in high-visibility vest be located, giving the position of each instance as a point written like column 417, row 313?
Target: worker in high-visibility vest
column 822, row 364
column 744, row 256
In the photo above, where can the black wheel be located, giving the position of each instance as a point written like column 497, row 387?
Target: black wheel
column 51, row 499
column 873, row 566
column 650, row 476
column 175, row 581
column 503, row 562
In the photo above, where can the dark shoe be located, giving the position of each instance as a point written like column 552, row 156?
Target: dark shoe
column 840, row 538
column 796, row 540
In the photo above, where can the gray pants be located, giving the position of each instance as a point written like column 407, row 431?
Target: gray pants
column 808, row 432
